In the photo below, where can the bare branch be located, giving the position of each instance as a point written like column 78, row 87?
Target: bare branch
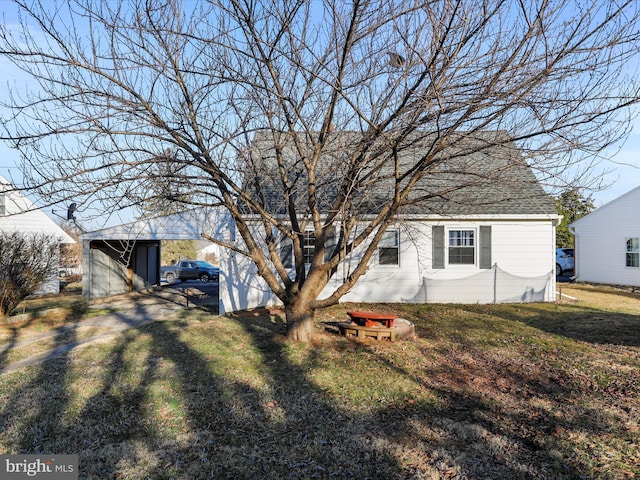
column 326, row 117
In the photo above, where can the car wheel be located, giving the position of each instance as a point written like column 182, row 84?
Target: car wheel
column 558, row 270
column 204, row 277
column 170, row 277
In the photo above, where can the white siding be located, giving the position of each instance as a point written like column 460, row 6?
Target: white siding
column 523, row 255
column 240, row 287
column 523, row 258
column 601, row 242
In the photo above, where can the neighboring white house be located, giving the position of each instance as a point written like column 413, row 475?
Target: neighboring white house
column 492, row 241
column 208, row 251
column 607, row 242
column 18, row 213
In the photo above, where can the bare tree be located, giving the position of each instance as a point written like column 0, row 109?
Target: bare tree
column 119, row 83
column 27, row 261
column 71, row 253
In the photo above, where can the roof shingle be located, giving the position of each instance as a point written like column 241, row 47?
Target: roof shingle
column 478, row 174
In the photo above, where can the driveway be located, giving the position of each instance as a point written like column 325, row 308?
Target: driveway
column 195, row 292
column 132, row 310
column 565, row 277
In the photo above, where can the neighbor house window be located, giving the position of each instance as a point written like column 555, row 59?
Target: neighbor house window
column 462, row 250
column 633, row 252
column 389, row 248
column 3, row 209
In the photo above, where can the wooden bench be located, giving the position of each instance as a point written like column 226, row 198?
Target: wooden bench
column 372, row 319
column 361, row 331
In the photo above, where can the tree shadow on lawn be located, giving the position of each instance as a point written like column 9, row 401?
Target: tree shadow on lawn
column 284, row 428
column 170, row 413
column 500, row 419
column 226, row 428
column 464, row 434
column 30, row 417
column 10, row 343
column 47, row 414
column 59, row 325
column 576, row 322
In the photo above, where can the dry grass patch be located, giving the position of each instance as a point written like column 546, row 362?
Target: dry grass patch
column 71, row 301
column 500, row 392
column 24, row 346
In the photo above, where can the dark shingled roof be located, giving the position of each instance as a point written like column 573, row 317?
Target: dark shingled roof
column 478, row 174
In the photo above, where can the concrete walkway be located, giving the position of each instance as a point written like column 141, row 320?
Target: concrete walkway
column 133, row 311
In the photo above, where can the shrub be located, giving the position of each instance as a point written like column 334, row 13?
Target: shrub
column 27, row 260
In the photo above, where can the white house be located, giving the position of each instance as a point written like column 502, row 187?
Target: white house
column 18, row 213
column 607, row 242
column 208, row 251
column 491, row 241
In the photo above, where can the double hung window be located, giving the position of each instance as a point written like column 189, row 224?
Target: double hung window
column 308, row 246
column 462, row 247
column 389, row 248
column 633, row 252
column 308, row 249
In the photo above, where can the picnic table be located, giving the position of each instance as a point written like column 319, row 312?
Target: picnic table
column 378, row 332
column 372, row 319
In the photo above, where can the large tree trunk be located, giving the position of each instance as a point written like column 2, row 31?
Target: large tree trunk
column 300, row 322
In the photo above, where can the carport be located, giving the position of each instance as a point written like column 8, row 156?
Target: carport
column 125, row 258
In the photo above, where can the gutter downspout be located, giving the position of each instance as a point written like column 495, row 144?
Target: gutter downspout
column 572, row 230
column 555, row 224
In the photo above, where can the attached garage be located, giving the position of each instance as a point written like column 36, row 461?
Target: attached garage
column 126, row 257
column 113, row 270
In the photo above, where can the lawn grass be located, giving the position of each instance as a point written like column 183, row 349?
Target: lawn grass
column 485, row 391
column 71, row 299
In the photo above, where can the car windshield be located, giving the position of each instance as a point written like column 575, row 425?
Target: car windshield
column 205, row 264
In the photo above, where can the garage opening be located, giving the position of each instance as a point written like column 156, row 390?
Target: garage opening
column 128, row 257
